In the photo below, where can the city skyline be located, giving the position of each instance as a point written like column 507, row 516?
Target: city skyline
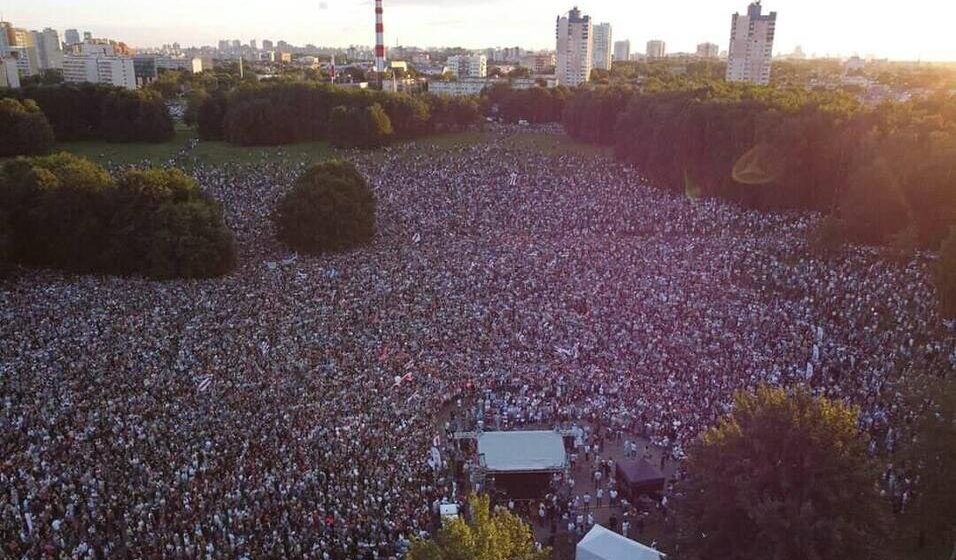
column 821, row 28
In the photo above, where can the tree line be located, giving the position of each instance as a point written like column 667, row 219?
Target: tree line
column 67, row 213
column 99, row 112
column 286, row 113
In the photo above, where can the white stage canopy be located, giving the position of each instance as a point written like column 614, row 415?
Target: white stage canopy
column 529, row 452
column 603, row 544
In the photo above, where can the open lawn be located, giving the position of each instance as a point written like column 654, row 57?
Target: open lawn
column 219, row 153
column 554, row 144
column 105, row 153
column 213, row 153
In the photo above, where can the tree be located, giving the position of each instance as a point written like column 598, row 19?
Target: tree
column 189, row 240
column 498, row 535
column 26, row 130
column 785, row 476
column 65, row 212
column 874, row 208
column 931, row 456
column 946, row 276
column 330, row 208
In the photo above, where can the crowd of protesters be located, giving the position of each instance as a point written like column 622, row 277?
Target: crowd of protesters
column 289, row 409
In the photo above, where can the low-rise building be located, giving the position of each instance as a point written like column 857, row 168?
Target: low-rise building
column 100, row 68
column 468, row 66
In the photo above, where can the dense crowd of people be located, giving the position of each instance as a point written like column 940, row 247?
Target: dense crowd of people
column 289, row 409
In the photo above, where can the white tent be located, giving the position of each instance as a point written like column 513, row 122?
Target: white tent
column 528, row 452
column 602, row 544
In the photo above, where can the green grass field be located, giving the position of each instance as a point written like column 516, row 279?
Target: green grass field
column 219, row 153
column 213, row 153
column 554, row 145
column 105, row 152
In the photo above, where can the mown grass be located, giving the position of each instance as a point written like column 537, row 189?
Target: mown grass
column 105, row 153
column 555, row 145
column 220, row 153
column 454, row 139
column 211, row 153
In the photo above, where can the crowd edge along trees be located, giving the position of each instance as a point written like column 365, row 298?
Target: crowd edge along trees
column 330, row 208
column 24, row 130
column 929, row 522
column 498, row 535
column 98, row 112
column 67, row 213
column 946, row 276
column 885, row 172
column 785, row 476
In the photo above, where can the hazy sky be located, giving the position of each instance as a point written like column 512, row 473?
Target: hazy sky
column 900, row 30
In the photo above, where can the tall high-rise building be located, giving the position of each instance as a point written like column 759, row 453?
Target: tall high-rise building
column 49, row 49
column 9, row 76
column 622, row 51
column 223, row 45
column 87, row 36
column 468, row 66
column 708, row 50
column 252, row 44
column 71, row 36
column 656, row 49
column 267, row 45
column 575, row 48
column 5, row 33
column 236, row 45
column 751, row 46
column 602, row 44
column 21, row 45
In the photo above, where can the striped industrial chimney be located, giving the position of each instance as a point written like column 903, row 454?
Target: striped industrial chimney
column 379, row 38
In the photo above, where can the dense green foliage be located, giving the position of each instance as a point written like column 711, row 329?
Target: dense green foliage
column 535, row 105
column 929, row 524
column 286, row 113
column 946, row 276
column 25, row 130
column 68, row 213
column 331, row 208
column 885, row 172
column 98, row 112
column 362, row 127
column 785, row 476
column 498, row 535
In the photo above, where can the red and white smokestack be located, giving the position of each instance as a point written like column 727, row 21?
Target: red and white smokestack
column 379, row 38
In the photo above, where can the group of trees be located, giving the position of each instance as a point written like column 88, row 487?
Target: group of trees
column 330, row 208
column 65, row 212
column 25, row 129
column 99, row 112
column 285, row 113
column 535, row 105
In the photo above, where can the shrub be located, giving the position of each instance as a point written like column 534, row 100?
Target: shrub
column 26, row 131
column 331, row 208
column 65, row 212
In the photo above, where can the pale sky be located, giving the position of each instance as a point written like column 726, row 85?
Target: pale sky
column 915, row 29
